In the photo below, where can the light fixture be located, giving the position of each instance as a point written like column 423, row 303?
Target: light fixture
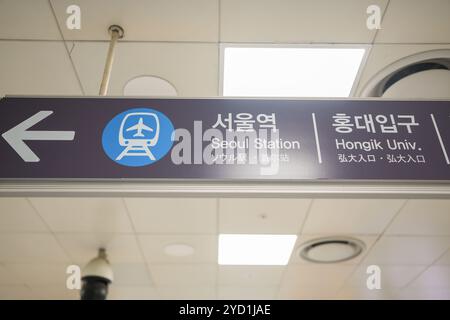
column 179, row 250
column 290, row 71
column 149, row 86
column 255, row 249
column 331, row 249
column 412, row 65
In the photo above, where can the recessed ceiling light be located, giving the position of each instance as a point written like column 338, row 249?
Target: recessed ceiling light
column 331, row 250
column 290, row 71
column 255, row 249
column 178, row 250
column 149, row 86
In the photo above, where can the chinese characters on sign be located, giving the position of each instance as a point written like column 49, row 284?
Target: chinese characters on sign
column 406, row 151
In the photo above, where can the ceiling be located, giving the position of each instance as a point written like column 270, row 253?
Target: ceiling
column 180, row 41
column 40, row 237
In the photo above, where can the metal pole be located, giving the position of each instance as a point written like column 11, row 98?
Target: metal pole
column 116, row 33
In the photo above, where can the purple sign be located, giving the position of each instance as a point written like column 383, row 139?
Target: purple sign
column 224, row 139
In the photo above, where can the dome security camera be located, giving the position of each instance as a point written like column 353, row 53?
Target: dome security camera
column 96, row 277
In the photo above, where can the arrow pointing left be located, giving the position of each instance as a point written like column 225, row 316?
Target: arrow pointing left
column 17, row 135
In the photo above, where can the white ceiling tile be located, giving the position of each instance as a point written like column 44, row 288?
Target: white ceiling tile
column 391, row 276
column 407, row 250
column 30, row 248
column 83, row 214
column 18, row 293
column 246, row 293
column 445, row 259
column 289, row 292
column 356, row 216
column 330, row 276
column 424, row 293
column 422, row 217
column 296, row 21
column 17, row 215
column 184, row 275
column 39, row 274
column 383, row 55
column 120, row 248
column 434, row 276
column 416, row 21
column 259, row 215
column 250, row 275
column 27, row 19
column 205, row 248
column 296, row 258
column 54, row 292
column 173, row 215
column 156, row 20
column 7, row 277
column 191, row 68
column 131, row 274
column 362, row 293
column 119, row 292
column 36, row 68
column 188, row 293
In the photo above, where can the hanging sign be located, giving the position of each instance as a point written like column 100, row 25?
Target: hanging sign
column 224, row 139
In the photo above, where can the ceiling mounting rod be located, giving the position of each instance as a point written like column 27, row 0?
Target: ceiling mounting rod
column 116, row 33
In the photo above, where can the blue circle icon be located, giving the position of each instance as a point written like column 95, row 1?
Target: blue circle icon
column 138, row 137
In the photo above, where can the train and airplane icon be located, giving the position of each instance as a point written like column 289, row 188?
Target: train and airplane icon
column 146, row 127
column 139, row 127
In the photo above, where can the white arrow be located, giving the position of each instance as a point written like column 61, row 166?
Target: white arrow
column 16, row 136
